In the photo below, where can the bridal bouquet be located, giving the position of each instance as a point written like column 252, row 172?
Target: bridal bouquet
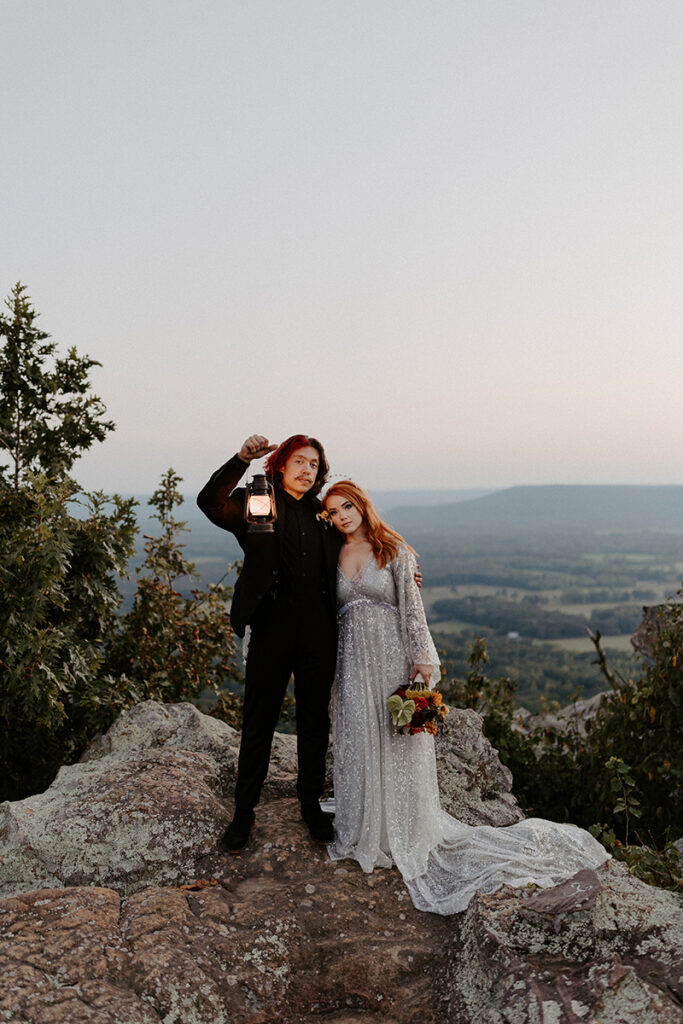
column 415, row 711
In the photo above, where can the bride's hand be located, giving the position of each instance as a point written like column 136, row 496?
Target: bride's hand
column 423, row 670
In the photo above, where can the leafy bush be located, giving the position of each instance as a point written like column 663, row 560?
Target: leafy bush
column 623, row 777
column 171, row 647
column 640, row 723
column 58, row 595
column 58, row 600
column 69, row 662
column 655, row 865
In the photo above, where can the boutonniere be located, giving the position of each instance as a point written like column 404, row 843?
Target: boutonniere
column 323, row 517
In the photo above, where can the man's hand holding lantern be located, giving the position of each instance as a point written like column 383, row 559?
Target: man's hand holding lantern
column 255, row 447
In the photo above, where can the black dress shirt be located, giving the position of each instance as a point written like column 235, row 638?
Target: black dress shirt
column 301, row 576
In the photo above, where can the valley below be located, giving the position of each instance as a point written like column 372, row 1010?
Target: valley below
column 528, row 568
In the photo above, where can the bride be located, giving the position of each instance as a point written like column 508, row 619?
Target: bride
column 387, row 808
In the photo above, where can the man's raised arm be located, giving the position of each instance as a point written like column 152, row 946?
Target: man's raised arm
column 216, row 499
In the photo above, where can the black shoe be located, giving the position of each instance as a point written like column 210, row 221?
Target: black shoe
column 319, row 823
column 237, row 833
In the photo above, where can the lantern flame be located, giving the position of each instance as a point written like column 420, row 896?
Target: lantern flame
column 259, row 505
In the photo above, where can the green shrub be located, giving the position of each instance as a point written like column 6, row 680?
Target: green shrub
column 622, row 778
column 60, row 553
column 58, row 600
column 640, row 723
column 69, row 663
column 171, row 647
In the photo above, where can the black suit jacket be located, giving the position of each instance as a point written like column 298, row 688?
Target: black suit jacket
column 222, row 501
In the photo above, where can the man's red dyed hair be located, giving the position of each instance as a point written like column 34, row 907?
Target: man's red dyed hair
column 275, row 463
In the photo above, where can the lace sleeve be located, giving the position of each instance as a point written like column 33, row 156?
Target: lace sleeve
column 416, row 636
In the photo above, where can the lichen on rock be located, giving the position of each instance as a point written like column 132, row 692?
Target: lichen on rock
column 95, row 927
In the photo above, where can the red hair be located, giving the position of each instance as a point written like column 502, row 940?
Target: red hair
column 275, row 462
column 384, row 541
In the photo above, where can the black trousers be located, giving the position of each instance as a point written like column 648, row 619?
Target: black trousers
column 287, row 638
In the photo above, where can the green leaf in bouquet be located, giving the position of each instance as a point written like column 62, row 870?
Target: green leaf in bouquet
column 401, row 710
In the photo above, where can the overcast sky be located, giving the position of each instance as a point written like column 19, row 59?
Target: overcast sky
column 444, row 237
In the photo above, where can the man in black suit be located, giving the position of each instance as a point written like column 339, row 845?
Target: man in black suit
column 286, row 595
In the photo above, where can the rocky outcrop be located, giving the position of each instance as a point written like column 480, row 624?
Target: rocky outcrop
column 474, row 786
column 143, row 805
column 284, row 935
column 115, row 822
column 151, row 798
column 151, row 725
column 646, row 637
column 570, row 719
column 120, row 907
column 601, row 947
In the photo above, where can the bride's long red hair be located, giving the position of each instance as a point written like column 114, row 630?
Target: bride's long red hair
column 384, row 541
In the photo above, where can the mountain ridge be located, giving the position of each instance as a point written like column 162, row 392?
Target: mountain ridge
column 571, row 506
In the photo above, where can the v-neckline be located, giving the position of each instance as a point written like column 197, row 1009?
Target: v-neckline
column 357, row 575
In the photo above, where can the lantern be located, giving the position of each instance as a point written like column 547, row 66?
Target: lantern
column 259, row 505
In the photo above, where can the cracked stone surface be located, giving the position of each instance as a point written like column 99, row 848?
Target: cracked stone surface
column 474, row 785
column 150, row 725
column 601, row 948
column 285, row 935
column 96, row 926
column 118, row 823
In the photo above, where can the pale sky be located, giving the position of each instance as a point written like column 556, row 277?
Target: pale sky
column 444, row 237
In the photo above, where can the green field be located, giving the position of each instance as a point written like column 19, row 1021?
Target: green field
column 525, row 622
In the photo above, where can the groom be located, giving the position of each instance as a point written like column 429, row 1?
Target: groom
column 286, row 595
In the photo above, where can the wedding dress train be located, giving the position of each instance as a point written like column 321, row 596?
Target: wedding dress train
column 387, row 808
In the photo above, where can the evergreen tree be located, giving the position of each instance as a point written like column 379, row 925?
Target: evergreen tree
column 48, row 417
column 69, row 662
column 61, row 552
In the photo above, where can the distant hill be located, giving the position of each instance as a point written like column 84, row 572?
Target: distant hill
column 559, row 510
column 485, row 535
column 205, row 538
column 386, row 501
column 550, row 508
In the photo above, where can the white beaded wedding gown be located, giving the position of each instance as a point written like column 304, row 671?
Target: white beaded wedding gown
column 386, row 796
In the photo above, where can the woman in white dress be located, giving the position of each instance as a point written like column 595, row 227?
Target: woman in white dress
column 387, row 808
